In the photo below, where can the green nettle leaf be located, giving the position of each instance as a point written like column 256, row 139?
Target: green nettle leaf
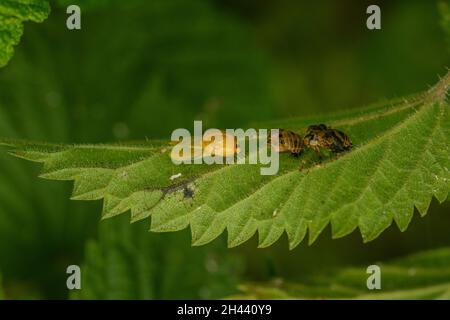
column 422, row 275
column 13, row 13
column 400, row 160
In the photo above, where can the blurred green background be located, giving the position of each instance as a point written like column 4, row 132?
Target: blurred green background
column 140, row 69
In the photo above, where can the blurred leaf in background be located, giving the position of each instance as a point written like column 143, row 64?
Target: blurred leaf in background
column 137, row 69
column 127, row 263
column 326, row 59
column 425, row 275
column 86, row 4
